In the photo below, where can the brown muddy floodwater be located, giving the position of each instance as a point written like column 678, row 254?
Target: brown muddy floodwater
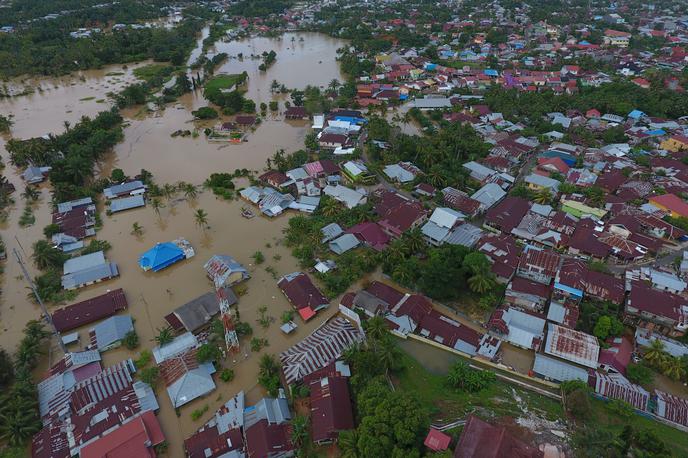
column 148, row 145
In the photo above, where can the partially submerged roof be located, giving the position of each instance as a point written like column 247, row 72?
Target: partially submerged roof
column 162, row 255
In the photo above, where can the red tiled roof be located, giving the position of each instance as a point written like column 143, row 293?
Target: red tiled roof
column 415, row 306
column 480, row 439
column 330, row 408
column 133, row 439
column 371, row 234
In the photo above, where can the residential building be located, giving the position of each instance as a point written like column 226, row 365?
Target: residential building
column 480, row 439
column 304, row 296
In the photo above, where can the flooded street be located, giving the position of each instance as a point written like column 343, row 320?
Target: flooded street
column 148, row 145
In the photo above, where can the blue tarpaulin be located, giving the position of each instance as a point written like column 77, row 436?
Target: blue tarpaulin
column 161, row 256
column 351, row 119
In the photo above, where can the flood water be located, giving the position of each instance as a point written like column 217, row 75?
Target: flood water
column 148, row 145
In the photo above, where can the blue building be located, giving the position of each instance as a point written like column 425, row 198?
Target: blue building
column 161, row 256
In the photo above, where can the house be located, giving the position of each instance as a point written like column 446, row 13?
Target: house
column 245, row 120
column 478, row 171
column 131, row 188
column 89, row 311
column 437, row 441
column 276, row 179
column 267, row 430
column 109, row 333
column 332, row 141
column 527, row 294
column 525, row 330
column 557, row 370
column 163, row 255
column 539, row 182
column 507, row 214
column 357, row 172
column 459, row 200
column 577, row 278
column 330, row 404
column 349, row 197
column 617, row 38
column 324, row 346
column 424, row 189
column 444, row 330
column 304, row 296
column 184, row 377
column 489, row 195
column 137, row 438
column 671, row 203
column 503, row 253
column 126, row 203
column 398, row 214
column 225, row 271
column 331, row 232
column 440, row 224
column 371, row 235
column 579, row 209
column 403, row 172
column 616, row 386
column 76, row 218
column 222, row 434
column 671, row 408
column 296, row 113
column 538, row 264
column 87, row 270
column 675, row 143
column 344, row 243
column 35, row 175
column 660, row 311
column 480, row 439
column 199, row 312
column 571, row 345
column 645, row 337
column 617, row 355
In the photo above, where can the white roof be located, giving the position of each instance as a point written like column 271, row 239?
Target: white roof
column 179, row 345
column 446, row 217
column 398, row 173
column 489, row 194
column 350, row 197
column 84, row 262
column 558, row 370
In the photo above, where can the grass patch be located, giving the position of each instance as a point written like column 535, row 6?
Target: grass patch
column 114, row 74
column 223, row 82
column 448, row 404
column 606, row 420
column 153, row 72
column 86, row 99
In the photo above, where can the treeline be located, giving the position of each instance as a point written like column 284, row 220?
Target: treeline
column 82, row 13
column 47, row 49
column 19, row 415
column 260, row 8
column 618, row 98
column 71, row 154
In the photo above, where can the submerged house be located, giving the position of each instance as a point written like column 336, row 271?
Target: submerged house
column 163, row 255
column 87, row 270
column 199, row 312
column 224, row 270
column 108, row 334
column 303, row 294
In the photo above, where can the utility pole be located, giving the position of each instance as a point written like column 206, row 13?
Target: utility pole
column 46, row 315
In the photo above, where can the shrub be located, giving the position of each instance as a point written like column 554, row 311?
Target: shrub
column 131, row 340
column 227, row 375
column 205, row 113
column 243, row 329
column 149, row 375
column 198, row 413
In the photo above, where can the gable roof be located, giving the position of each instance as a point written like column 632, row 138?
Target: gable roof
column 133, row 439
column 331, row 410
column 480, row 439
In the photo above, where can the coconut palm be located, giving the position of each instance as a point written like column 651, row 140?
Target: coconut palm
column 347, row 443
column 388, row 353
column 329, row 208
column 46, row 256
column 157, row 205
column 437, row 176
column 190, row 191
column 164, row 336
column 136, row 229
column 656, row 353
column 543, row 196
column 334, row 84
column 268, row 365
column 376, row 328
column 403, row 273
column 673, row 368
column 481, row 281
column 201, row 217
column 30, row 193
column 299, row 431
column 168, row 191
column 18, row 425
column 414, row 241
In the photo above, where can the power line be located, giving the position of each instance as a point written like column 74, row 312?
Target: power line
column 46, row 315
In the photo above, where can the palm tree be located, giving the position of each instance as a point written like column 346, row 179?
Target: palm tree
column 347, row 443
column 157, row 204
column 656, row 353
column 388, row 354
column 329, row 208
column 437, row 177
column 481, row 281
column 18, row 425
column 136, row 229
column 164, row 336
column 673, row 368
column 334, row 84
column 168, row 191
column 543, row 196
column 45, row 255
column 201, row 217
column 299, row 431
column 268, row 365
column 376, row 328
column 190, row 191
column 30, row 193
column 414, row 240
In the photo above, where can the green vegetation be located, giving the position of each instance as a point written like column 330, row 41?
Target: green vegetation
column 155, row 74
column 5, row 123
column 227, row 375
column 221, row 185
column 268, row 376
column 217, row 91
column 462, row 377
column 258, row 343
column 260, row 8
column 208, row 352
column 268, row 60
column 95, row 246
column 198, row 413
column 640, row 374
column 19, row 416
column 205, row 113
column 131, row 340
column 258, row 257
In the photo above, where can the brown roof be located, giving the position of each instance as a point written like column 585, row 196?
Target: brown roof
column 215, row 443
column 90, row 310
column 480, row 439
column 301, row 292
column 545, row 262
column 507, row 214
column 330, row 408
column 659, row 303
column 263, row 438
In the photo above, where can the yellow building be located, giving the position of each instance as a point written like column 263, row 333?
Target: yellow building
column 675, row 144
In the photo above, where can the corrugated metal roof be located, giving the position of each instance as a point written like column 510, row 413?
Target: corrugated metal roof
column 557, row 370
column 572, row 345
column 127, row 203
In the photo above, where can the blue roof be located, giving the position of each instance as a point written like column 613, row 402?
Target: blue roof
column 584, row 42
column 566, row 157
column 636, row 114
column 161, row 256
column 351, row 119
column 490, row 72
column 568, row 289
column 656, row 132
column 429, row 66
